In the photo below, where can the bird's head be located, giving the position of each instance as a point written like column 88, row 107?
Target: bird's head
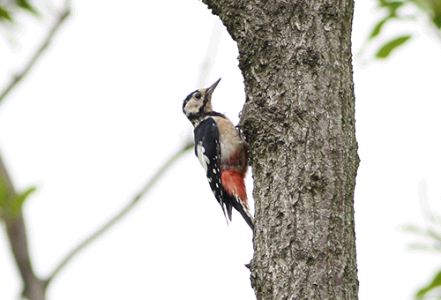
column 198, row 103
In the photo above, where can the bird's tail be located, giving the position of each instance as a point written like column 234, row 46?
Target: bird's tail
column 235, row 195
column 240, row 207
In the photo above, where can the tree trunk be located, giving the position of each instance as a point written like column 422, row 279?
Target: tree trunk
column 295, row 56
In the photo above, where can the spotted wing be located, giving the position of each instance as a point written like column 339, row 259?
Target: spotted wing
column 208, row 150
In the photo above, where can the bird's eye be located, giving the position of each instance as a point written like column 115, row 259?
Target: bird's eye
column 198, row 96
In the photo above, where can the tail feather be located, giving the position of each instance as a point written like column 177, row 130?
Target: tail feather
column 235, row 195
column 243, row 210
column 229, row 210
column 223, row 210
column 239, row 205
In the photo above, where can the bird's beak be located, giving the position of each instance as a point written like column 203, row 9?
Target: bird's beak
column 210, row 90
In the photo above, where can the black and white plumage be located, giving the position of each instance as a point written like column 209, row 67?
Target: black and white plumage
column 207, row 149
column 221, row 151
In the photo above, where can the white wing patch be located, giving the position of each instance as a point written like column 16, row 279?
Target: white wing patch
column 203, row 159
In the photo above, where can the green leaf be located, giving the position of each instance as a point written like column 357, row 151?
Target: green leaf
column 386, row 50
column 415, row 229
column 434, row 235
column 25, row 5
column 17, row 203
column 394, row 5
column 432, row 8
column 433, row 218
column 377, row 28
column 4, row 14
column 437, row 20
column 436, row 8
column 436, row 282
column 382, row 3
column 424, row 247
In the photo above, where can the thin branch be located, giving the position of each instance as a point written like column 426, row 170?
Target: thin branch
column 34, row 58
column 129, row 206
column 33, row 287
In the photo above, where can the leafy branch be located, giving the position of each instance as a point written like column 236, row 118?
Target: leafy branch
column 430, row 236
column 431, row 242
column 11, row 202
column 39, row 51
column 395, row 11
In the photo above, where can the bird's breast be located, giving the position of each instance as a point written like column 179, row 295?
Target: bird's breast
column 230, row 141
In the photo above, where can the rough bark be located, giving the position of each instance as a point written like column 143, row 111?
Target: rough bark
column 295, row 56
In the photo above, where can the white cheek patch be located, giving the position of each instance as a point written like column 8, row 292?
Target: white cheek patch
column 203, row 159
column 191, row 108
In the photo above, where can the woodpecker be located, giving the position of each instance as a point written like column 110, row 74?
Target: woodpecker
column 221, row 151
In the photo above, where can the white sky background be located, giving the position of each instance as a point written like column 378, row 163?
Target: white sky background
column 103, row 110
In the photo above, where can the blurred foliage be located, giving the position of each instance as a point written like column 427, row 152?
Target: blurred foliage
column 9, row 18
column 402, row 11
column 24, row 4
column 5, row 14
column 430, row 236
column 10, row 8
